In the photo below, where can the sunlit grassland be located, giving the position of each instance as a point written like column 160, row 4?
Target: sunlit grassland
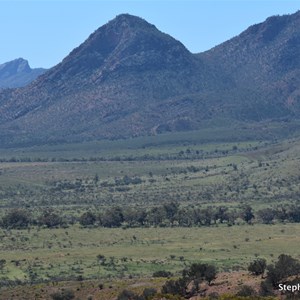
column 73, row 251
column 191, row 172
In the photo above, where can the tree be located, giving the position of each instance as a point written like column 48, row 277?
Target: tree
column 184, row 217
column 16, row 218
column 247, row 214
column 134, row 216
column 156, row 216
column 199, row 271
column 285, row 266
column 266, row 215
column 266, row 288
column 171, row 209
column 206, row 216
column 162, row 273
column 50, row 219
column 210, row 273
column 101, row 259
column 258, row 266
column 87, row 219
column 222, row 214
column 295, row 214
column 188, row 284
column 112, row 218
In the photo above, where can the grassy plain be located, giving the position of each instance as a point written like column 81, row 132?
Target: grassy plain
column 132, row 255
column 138, row 252
column 254, row 172
column 188, row 168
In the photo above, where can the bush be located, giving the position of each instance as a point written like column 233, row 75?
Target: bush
column 246, row 291
column 266, row 289
column 148, row 293
column 129, row 295
column 50, row 219
column 285, row 266
column 198, row 271
column 258, row 266
column 113, row 217
column 16, row 218
column 188, row 284
column 87, row 219
column 266, row 215
column 63, row 295
column 162, row 273
column 175, row 287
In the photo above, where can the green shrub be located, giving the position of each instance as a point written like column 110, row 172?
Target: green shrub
column 162, row 273
column 246, row 291
column 258, row 266
column 63, row 295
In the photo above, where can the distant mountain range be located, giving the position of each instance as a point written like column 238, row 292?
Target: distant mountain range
column 129, row 79
column 17, row 73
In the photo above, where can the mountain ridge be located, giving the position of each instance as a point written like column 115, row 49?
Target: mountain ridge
column 129, row 79
column 17, row 73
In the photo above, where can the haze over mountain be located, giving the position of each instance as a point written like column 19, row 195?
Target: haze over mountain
column 17, row 73
column 129, row 79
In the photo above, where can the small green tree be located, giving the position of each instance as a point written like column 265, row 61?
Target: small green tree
column 113, row 217
column 199, row 271
column 266, row 215
column 285, row 266
column 247, row 214
column 194, row 275
column 16, row 218
column 162, row 273
column 258, row 266
column 50, row 219
column 87, row 219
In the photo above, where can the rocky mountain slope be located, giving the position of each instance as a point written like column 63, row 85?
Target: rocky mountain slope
column 129, row 79
column 17, row 73
column 264, row 63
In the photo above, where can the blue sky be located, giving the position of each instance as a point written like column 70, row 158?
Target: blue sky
column 44, row 32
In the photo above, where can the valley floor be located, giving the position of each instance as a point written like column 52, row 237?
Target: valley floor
column 68, row 182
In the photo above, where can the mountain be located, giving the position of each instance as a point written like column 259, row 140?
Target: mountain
column 126, row 79
column 264, row 63
column 129, row 79
column 17, row 73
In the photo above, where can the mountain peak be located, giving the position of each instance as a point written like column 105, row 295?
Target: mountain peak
column 15, row 66
column 126, row 42
column 17, row 73
column 126, row 21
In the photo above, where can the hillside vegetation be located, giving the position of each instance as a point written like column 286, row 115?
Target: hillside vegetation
column 129, row 79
